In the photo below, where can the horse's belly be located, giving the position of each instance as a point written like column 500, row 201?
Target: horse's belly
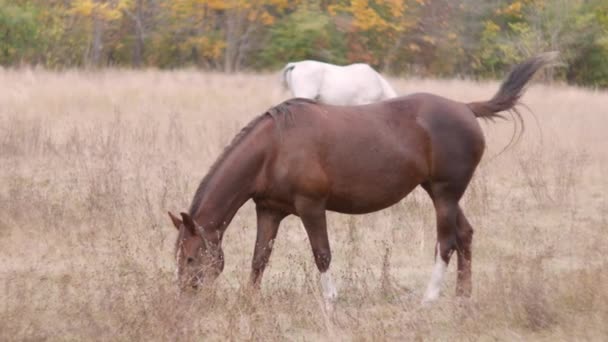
column 357, row 203
column 368, row 192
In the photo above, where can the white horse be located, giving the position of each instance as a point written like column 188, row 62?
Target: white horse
column 353, row 84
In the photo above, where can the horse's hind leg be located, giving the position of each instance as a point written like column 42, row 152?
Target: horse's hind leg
column 312, row 213
column 464, row 240
column 445, row 199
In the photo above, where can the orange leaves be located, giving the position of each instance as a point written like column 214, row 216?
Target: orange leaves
column 258, row 11
column 366, row 18
column 396, row 7
column 216, row 30
column 218, row 4
column 379, row 15
column 516, row 8
column 375, row 27
column 512, row 9
column 208, row 48
column 262, row 17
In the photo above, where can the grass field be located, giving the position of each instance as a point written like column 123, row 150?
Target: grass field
column 90, row 162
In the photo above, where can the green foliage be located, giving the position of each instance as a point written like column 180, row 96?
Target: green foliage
column 589, row 66
column 18, row 32
column 520, row 29
column 304, row 34
column 63, row 41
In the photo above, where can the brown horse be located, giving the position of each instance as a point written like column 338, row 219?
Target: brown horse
column 303, row 158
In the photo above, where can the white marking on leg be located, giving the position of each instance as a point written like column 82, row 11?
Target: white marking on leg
column 330, row 293
column 434, row 287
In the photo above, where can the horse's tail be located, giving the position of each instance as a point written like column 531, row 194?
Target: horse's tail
column 512, row 88
column 388, row 91
column 284, row 74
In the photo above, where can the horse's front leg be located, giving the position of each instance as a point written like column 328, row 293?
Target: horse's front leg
column 268, row 224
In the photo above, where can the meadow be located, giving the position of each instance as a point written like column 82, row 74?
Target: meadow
column 91, row 161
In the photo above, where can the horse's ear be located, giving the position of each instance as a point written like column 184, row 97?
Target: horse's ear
column 176, row 222
column 189, row 223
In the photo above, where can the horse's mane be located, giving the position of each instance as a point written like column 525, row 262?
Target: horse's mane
column 279, row 113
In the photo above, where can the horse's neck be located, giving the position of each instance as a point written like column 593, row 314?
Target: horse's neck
column 232, row 182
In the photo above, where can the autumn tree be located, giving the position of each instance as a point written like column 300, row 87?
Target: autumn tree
column 221, row 34
column 374, row 28
column 435, row 40
column 98, row 14
column 445, row 38
column 306, row 33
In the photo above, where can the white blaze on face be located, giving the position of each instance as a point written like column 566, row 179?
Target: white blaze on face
column 434, row 287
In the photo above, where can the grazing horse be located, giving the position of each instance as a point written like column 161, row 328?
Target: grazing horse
column 354, row 84
column 304, row 158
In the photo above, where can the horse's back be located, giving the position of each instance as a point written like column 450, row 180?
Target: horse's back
column 421, row 132
column 304, row 78
column 351, row 84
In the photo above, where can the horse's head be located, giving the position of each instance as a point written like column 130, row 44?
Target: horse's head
column 198, row 253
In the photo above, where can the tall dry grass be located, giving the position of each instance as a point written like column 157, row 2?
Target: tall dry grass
column 90, row 162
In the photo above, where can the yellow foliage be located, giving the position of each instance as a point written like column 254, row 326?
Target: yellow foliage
column 106, row 10
column 266, row 18
column 255, row 10
column 396, row 7
column 83, row 7
column 281, row 3
column 213, row 49
column 207, row 48
column 429, row 39
column 216, row 4
column 516, row 8
column 414, row 47
column 365, row 18
column 491, row 27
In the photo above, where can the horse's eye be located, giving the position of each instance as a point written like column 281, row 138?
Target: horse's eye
column 190, row 260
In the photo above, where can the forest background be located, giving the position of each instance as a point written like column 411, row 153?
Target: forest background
column 425, row 38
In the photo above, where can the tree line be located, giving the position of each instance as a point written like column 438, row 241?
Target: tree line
column 439, row 38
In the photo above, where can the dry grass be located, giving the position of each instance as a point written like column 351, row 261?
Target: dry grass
column 91, row 162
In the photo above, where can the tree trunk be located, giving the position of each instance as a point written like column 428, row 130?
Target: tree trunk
column 138, row 46
column 391, row 55
column 97, row 42
column 244, row 45
column 231, row 40
column 236, row 22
